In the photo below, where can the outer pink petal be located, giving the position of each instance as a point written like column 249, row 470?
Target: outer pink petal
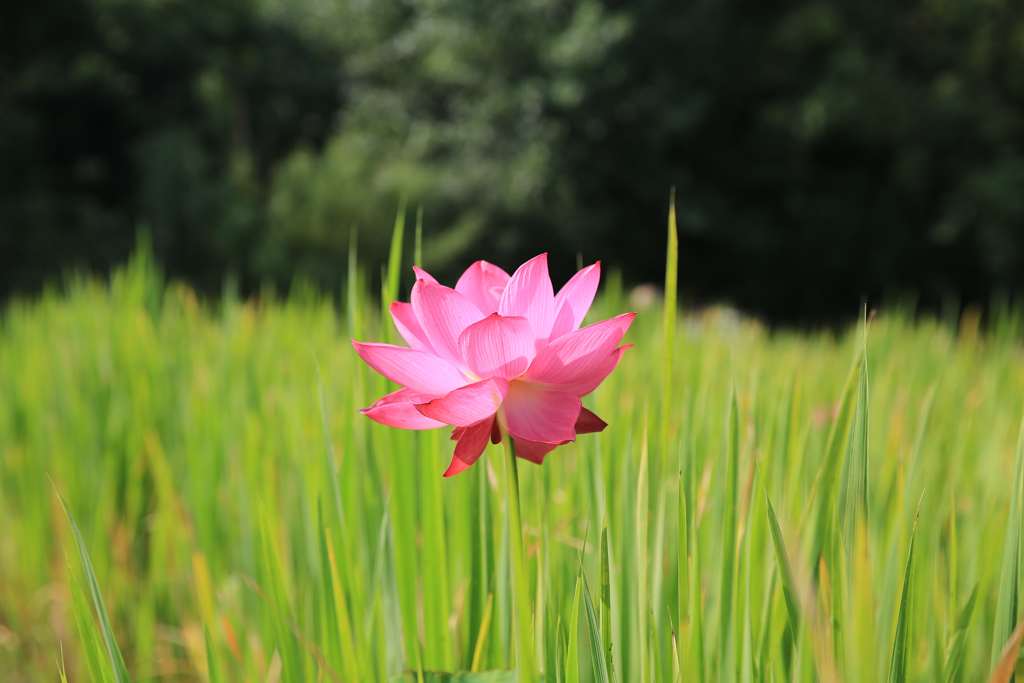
column 396, row 410
column 444, row 314
column 589, row 423
column 576, row 355
column 587, row 382
column 472, row 442
column 424, row 373
column 483, row 283
column 574, row 299
column 467, row 405
column 497, row 346
column 538, row 414
column 409, row 327
column 530, row 295
column 423, row 275
column 534, row 451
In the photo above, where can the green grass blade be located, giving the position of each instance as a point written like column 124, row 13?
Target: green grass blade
column 572, row 663
column 120, row 673
column 91, row 638
column 727, row 590
column 958, row 641
column 856, row 509
column 1009, row 578
column 395, row 259
column 605, row 607
column 597, row 647
column 901, row 642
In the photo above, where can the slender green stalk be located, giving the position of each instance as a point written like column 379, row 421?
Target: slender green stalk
column 526, row 660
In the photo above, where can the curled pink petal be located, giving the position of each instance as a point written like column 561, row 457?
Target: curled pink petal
column 423, row 275
column 409, row 327
column 538, row 414
column 576, row 356
column 574, row 299
column 483, row 283
column 534, row 451
column 472, row 442
column 467, row 405
column 396, row 410
column 424, row 373
column 589, row 423
column 444, row 314
column 497, row 346
column 529, row 294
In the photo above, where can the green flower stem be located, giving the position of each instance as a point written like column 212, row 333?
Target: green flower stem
column 526, row 659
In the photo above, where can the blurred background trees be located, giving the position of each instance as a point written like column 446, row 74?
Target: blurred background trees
column 821, row 150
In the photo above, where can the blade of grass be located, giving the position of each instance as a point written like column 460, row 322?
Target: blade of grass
column 1009, row 577
column 958, row 642
column 572, row 663
column 727, row 590
column 901, row 642
column 120, row 673
column 91, row 639
column 597, row 647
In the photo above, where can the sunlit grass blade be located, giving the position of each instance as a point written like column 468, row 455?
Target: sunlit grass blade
column 790, row 589
column 572, row 663
column 120, row 673
column 481, row 637
column 669, row 326
column 1009, row 578
column 394, row 269
column 958, row 641
column 826, row 481
column 597, row 646
column 642, row 521
column 727, row 590
column 1006, row 662
column 605, row 605
column 99, row 670
column 901, row 641
column 856, row 468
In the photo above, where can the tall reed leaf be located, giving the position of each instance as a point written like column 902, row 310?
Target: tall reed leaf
column 1006, row 663
column 958, row 641
column 901, row 643
column 117, row 666
column 597, row 646
column 1009, row 578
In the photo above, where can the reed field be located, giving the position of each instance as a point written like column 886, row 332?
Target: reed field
column 763, row 506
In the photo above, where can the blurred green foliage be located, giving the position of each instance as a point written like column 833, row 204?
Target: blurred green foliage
column 822, row 150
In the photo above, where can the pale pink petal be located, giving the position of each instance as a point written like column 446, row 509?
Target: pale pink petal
column 396, row 410
column 589, row 423
column 409, row 327
column 538, row 414
column 423, row 275
column 483, row 283
column 472, row 442
column 576, row 356
column 444, row 314
column 534, row 451
column 424, row 373
column 497, row 346
column 530, row 295
column 467, row 405
column 574, row 299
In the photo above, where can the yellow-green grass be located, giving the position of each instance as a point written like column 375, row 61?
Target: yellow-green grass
column 232, row 541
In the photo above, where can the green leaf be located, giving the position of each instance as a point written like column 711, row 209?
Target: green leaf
column 856, row 494
column 91, row 638
column 605, row 608
column 1009, row 578
column 958, row 642
column 597, row 647
column 572, row 664
column 727, row 590
column 120, row 673
column 901, row 642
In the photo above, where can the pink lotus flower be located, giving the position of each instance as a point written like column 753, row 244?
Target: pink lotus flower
column 497, row 355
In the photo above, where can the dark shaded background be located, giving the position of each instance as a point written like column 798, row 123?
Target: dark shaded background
column 821, row 150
